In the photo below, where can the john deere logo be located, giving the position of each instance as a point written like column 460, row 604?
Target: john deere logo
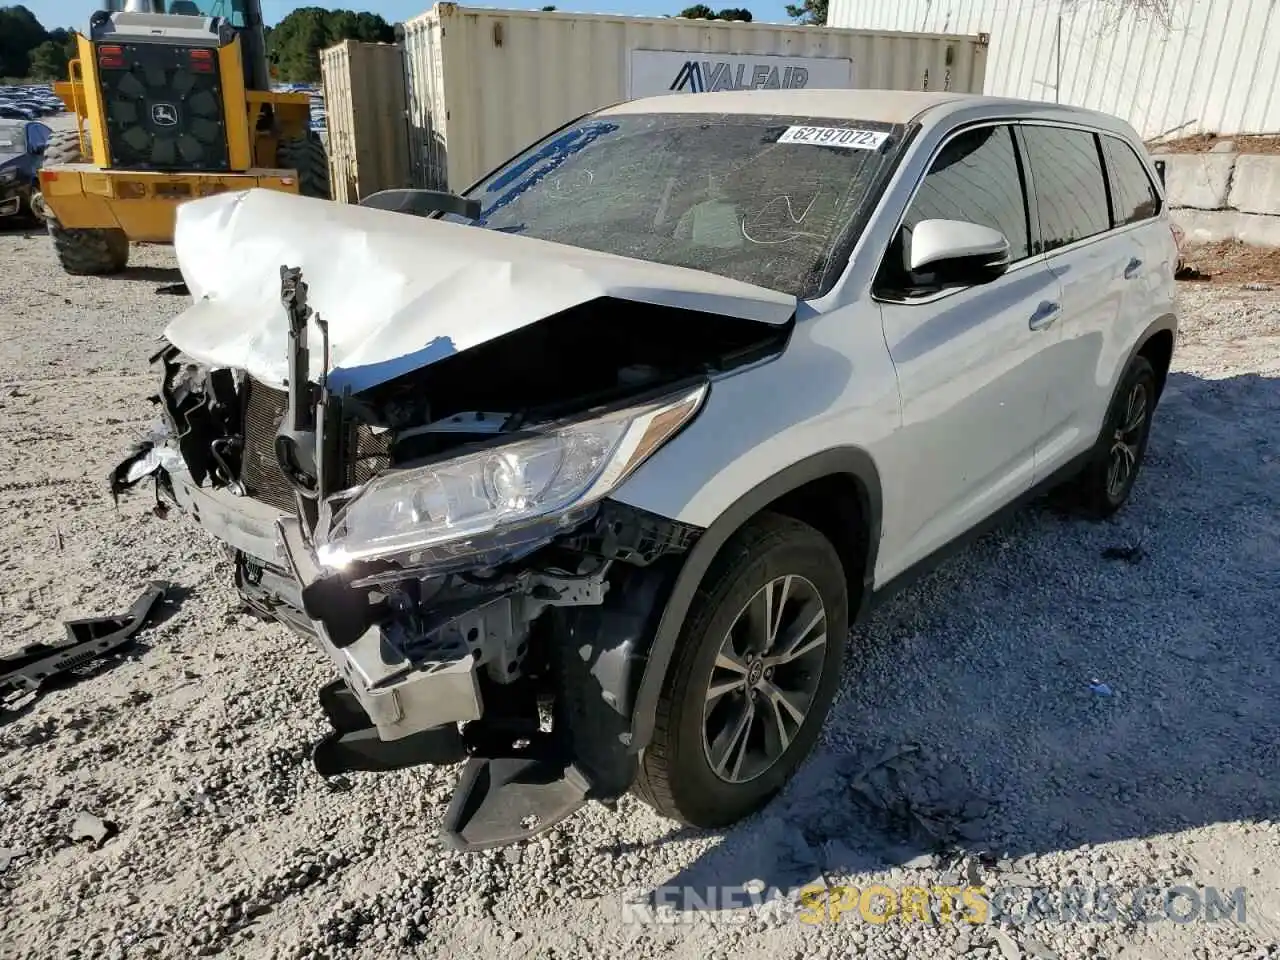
column 701, row 76
column 164, row 114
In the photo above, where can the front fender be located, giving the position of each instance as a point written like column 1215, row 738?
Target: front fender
column 846, row 461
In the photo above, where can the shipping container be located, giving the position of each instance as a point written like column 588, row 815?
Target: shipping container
column 364, row 99
column 1177, row 68
column 483, row 84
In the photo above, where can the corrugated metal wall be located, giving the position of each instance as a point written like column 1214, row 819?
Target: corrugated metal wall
column 483, row 84
column 1215, row 68
column 365, row 101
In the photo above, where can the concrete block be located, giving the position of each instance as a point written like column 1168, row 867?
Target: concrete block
column 1198, row 180
column 1211, row 226
column 1255, row 188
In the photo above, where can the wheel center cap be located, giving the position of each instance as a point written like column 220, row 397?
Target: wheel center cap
column 755, row 672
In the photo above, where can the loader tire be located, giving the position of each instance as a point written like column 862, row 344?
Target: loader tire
column 307, row 155
column 82, row 253
column 64, row 147
column 89, row 253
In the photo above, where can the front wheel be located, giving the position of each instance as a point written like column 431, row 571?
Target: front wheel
column 755, row 670
column 1104, row 486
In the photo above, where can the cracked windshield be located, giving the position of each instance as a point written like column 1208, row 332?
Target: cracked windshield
column 714, row 193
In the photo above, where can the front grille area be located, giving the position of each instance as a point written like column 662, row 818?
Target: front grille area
column 164, row 107
column 264, row 409
column 366, row 453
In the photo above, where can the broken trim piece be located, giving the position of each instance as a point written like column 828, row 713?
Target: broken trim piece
column 87, row 639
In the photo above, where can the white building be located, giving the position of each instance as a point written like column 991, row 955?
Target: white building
column 1181, row 66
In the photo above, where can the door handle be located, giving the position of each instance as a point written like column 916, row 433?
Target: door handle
column 1132, row 269
column 1045, row 314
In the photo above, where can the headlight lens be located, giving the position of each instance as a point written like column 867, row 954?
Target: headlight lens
column 8, row 176
column 541, row 482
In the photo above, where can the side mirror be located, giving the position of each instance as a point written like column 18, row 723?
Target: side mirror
column 949, row 253
column 422, row 203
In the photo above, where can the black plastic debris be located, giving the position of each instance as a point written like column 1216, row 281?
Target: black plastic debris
column 27, row 670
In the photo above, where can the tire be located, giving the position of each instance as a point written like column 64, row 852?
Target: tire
column 82, row 253
column 677, row 776
column 64, row 147
column 1096, row 492
column 307, row 156
column 89, row 253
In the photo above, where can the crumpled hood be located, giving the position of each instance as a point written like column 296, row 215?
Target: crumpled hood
column 398, row 292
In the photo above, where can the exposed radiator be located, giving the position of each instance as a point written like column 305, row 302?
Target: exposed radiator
column 366, row 453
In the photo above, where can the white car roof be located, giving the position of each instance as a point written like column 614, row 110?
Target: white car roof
column 878, row 106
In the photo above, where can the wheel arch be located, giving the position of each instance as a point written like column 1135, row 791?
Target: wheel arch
column 1157, row 345
column 836, row 491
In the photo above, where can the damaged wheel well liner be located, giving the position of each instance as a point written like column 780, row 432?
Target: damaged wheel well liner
column 837, row 492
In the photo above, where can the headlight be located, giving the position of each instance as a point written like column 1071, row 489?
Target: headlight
column 520, row 492
column 8, row 176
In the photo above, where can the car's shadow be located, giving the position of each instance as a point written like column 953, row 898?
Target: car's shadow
column 988, row 665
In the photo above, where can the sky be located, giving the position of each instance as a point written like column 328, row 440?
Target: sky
column 75, row 13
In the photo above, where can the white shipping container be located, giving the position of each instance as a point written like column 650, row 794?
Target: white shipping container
column 1212, row 67
column 364, row 98
column 483, row 84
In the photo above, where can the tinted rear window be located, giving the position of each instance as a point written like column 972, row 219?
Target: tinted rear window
column 1133, row 195
column 1070, row 188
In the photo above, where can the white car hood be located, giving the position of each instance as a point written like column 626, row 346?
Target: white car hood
column 398, row 292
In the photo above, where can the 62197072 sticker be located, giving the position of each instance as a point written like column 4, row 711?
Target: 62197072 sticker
column 834, row 137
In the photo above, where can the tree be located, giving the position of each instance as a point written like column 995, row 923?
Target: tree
column 294, row 44
column 20, row 33
column 549, row 9
column 702, row 12
column 49, row 61
column 811, row 12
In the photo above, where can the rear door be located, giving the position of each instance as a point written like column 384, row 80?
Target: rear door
column 969, row 361
column 1094, row 265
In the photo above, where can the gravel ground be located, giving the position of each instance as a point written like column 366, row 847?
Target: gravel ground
column 975, row 687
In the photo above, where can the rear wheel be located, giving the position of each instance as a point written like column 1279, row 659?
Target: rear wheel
column 64, row 147
column 1104, row 485
column 87, row 253
column 81, row 252
column 753, row 676
column 306, row 155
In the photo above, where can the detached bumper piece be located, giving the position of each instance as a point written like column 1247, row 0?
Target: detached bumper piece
column 503, row 799
column 354, row 744
column 87, row 640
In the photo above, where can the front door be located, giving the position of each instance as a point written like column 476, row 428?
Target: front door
column 970, row 362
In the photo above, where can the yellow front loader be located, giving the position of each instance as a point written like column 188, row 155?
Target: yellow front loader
column 172, row 101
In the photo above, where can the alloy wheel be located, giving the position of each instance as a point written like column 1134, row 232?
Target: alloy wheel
column 764, row 679
column 1126, row 443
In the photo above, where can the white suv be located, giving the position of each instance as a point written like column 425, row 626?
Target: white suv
column 581, row 476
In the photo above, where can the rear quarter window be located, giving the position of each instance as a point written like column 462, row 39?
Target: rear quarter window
column 1134, row 197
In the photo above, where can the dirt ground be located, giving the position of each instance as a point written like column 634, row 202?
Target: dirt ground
column 1106, row 696
column 1232, row 263
column 1204, row 142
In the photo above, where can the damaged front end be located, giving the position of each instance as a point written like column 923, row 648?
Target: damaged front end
column 445, row 536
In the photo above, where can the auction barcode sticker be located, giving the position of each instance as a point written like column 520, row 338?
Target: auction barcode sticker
column 834, row 137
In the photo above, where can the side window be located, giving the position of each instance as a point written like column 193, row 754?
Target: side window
column 1070, row 187
column 976, row 178
column 1133, row 196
